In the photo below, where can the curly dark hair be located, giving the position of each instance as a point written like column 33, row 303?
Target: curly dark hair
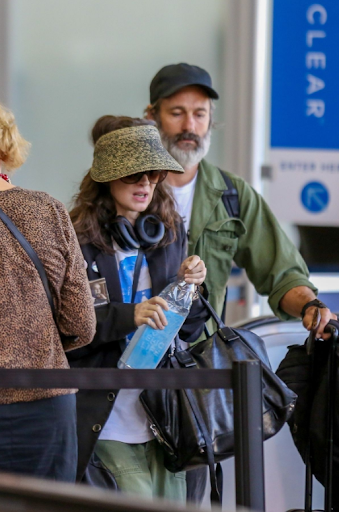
column 94, row 209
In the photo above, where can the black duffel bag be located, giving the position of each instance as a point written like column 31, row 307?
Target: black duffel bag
column 196, row 426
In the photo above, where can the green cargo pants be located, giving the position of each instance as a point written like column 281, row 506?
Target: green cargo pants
column 139, row 469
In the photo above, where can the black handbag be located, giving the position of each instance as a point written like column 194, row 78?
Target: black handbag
column 195, row 427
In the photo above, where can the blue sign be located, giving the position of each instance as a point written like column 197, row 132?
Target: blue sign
column 315, row 197
column 305, row 74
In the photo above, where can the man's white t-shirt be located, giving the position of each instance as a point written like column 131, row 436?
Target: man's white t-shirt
column 128, row 422
column 184, row 199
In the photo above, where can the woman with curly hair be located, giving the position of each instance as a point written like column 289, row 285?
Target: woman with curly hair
column 38, row 426
column 123, row 214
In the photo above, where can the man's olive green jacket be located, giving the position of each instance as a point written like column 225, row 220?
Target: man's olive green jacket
column 255, row 241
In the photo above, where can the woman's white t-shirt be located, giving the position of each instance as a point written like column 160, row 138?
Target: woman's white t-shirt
column 128, row 422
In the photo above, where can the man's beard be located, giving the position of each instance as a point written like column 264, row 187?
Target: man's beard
column 187, row 158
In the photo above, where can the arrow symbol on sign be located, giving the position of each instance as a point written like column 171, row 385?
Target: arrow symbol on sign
column 314, row 195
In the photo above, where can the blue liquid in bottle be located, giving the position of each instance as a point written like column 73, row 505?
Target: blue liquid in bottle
column 148, row 345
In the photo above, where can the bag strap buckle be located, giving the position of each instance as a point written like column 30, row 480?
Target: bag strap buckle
column 226, row 334
column 185, row 359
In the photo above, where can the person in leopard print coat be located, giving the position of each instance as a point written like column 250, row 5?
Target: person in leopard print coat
column 38, row 426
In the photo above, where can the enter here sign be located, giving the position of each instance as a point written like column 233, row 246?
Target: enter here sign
column 304, row 139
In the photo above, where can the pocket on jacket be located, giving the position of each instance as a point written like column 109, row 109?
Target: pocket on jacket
column 222, row 236
column 220, row 243
column 231, row 228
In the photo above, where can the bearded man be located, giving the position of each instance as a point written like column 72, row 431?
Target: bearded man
column 181, row 103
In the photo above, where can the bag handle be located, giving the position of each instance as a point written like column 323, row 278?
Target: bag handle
column 225, row 333
column 216, row 491
column 212, row 312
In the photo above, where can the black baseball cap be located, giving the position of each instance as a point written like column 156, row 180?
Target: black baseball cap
column 174, row 77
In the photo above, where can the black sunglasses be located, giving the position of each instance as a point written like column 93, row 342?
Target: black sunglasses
column 154, row 177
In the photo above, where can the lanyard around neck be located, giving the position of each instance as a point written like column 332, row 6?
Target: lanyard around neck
column 136, row 275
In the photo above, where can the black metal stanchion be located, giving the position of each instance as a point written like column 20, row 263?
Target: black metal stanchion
column 245, row 378
column 248, row 435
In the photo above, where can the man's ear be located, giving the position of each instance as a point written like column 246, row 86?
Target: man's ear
column 149, row 112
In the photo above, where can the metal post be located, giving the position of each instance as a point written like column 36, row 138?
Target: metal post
column 248, row 435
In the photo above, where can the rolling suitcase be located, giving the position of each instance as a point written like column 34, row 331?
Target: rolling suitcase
column 318, row 366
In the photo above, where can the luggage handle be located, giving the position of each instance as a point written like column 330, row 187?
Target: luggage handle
column 333, row 327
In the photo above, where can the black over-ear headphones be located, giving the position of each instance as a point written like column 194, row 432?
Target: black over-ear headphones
column 147, row 231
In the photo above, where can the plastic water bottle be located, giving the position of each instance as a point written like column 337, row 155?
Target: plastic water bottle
column 148, row 345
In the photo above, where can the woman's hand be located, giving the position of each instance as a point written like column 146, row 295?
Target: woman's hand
column 193, row 270
column 150, row 312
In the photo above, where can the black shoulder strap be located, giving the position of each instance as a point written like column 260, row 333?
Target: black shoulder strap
column 136, row 276
column 230, row 197
column 32, row 254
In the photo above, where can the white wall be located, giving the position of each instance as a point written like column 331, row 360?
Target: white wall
column 4, row 86
column 73, row 61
